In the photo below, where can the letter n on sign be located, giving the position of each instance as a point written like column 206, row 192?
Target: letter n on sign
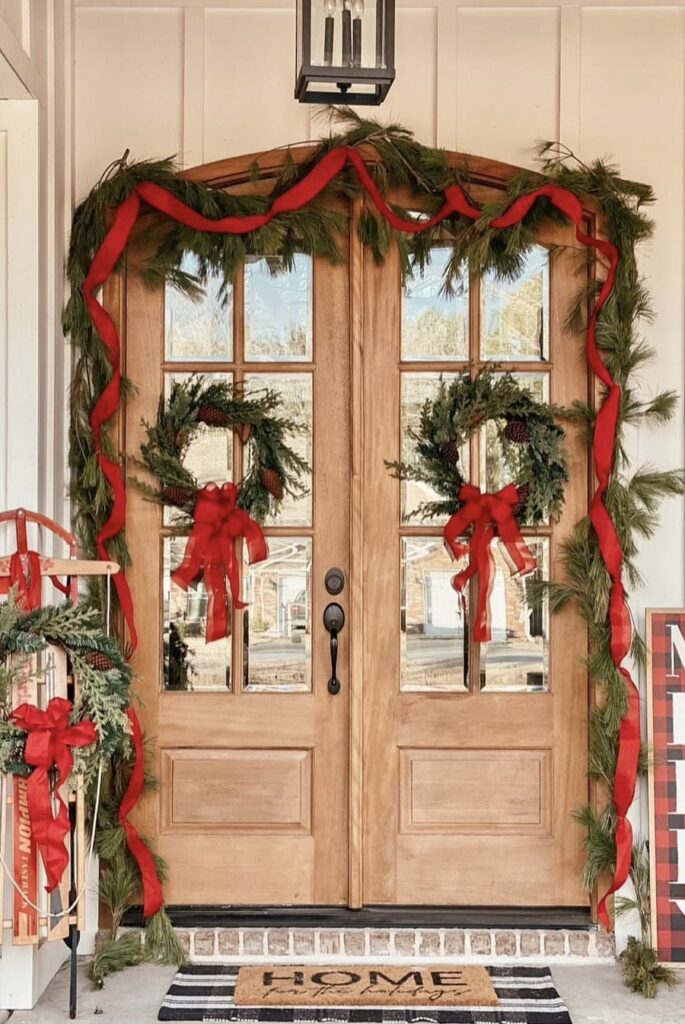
column 666, row 712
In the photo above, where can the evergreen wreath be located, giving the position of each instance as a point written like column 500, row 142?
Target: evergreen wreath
column 103, row 680
column 398, row 161
column 273, row 467
column 531, row 440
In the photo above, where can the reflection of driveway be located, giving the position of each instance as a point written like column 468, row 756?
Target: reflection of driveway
column 435, row 649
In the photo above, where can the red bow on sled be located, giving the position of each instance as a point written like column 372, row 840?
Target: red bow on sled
column 491, row 515
column 47, row 746
column 210, row 552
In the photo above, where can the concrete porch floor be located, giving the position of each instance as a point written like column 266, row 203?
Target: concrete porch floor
column 593, row 994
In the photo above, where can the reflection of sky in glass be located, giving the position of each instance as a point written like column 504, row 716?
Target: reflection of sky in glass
column 434, row 325
column 202, row 329
column 515, row 314
column 278, row 311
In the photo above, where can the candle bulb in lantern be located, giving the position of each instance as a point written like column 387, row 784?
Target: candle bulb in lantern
column 347, row 33
column 380, row 29
column 357, row 12
column 329, row 26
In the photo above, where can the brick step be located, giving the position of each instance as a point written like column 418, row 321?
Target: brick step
column 242, row 945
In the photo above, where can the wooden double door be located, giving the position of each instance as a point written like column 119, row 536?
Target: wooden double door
column 443, row 772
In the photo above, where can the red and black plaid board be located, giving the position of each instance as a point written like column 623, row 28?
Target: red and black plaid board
column 666, row 684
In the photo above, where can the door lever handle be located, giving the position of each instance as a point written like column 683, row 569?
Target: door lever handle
column 334, row 620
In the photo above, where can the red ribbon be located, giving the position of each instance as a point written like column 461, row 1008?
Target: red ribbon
column 490, row 515
column 455, row 201
column 47, row 746
column 153, row 897
column 210, row 552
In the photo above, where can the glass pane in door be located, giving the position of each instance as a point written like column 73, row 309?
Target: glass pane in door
column 277, row 623
column 433, row 619
column 435, row 320
column 515, row 314
column 278, row 309
column 201, row 328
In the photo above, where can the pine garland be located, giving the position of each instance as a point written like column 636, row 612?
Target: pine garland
column 634, row 497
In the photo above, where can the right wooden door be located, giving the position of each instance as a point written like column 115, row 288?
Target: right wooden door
column 474, row 754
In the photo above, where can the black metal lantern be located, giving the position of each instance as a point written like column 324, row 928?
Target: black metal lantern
column 345, row 51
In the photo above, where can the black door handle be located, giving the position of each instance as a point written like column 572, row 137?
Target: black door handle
column 334, row 620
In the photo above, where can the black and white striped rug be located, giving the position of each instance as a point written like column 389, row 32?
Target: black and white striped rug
column 204, row 992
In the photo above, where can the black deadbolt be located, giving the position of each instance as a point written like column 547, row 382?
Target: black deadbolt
column 334, row 581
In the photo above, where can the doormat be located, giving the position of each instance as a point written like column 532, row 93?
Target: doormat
column 364, row 985
column 206, row 992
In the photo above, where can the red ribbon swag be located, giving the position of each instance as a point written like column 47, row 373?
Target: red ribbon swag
column 217, row 523
column 455, row 202
column 490, row 515
column 47, row 746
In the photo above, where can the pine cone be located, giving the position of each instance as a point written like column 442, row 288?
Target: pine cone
column 516, row 431
column 519, row 508
column 98, row 660
column 449, row 452
column 273, row 482
column 244, row 432
column 179, row 496
column 212, row 416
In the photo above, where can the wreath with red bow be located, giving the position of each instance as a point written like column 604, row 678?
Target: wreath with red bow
column 526, row 444
column 217, row 515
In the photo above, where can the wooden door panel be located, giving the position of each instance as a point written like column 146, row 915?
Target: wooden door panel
column 253, row 803
column 454, row 792
column 476, row 785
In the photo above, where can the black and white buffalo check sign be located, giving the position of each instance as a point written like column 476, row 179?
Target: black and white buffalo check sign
column 666, row 699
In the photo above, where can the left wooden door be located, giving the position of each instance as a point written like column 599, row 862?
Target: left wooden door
column 249, row 745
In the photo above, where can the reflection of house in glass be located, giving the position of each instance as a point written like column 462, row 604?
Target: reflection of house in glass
column 434, row 623
column 277, row 623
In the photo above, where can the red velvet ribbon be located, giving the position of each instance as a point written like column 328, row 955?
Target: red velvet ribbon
column 47, row 746
column 153, row 897
column 455, row 202
column 490, row 515
column 210, row 552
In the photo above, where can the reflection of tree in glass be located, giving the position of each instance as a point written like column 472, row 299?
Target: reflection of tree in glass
column 278, row 309
column 434, row 333
column 516, row 313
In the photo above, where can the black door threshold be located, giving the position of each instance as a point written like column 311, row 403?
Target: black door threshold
column 197, row 916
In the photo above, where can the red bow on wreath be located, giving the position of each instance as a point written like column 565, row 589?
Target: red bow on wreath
column 47, row 746
column 491, row 515
column 210, row 552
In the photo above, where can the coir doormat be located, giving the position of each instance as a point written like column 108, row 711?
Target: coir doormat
column 206, row 992
column 364, row 985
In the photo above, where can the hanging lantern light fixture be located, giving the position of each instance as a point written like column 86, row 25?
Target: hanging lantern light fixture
column 345, row 51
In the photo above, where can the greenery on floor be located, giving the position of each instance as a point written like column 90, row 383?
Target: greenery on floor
column 397, row 160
